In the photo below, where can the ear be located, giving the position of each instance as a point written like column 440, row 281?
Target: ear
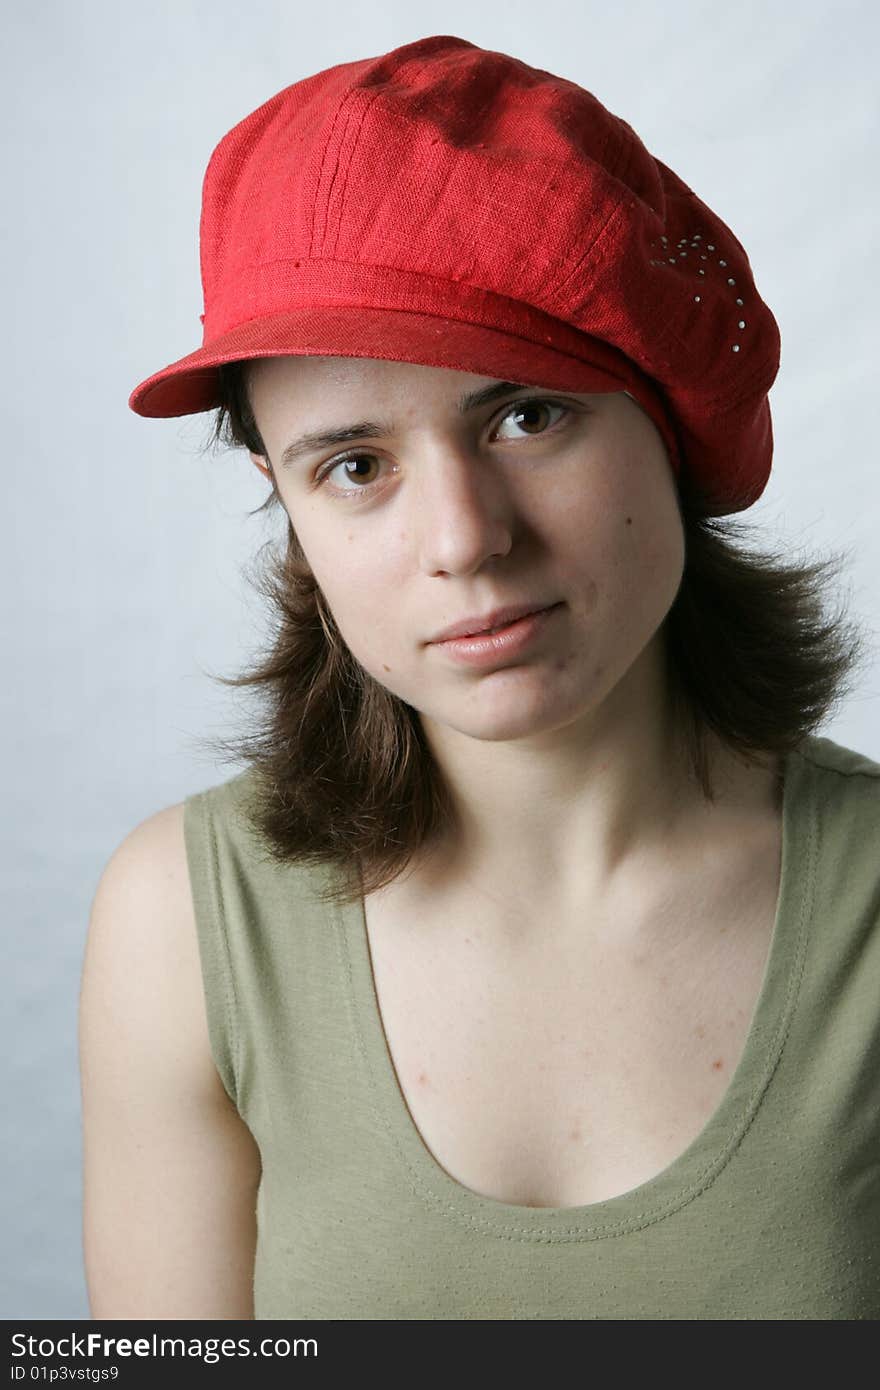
column 260, row 462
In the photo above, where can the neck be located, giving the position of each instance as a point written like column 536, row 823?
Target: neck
column 578, row 811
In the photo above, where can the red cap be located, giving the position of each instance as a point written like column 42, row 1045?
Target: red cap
column 449, row 205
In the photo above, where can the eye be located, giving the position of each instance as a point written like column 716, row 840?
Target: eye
column 356, row 461
column 532, row 410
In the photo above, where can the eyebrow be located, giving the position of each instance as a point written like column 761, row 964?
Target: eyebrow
column 372, row 429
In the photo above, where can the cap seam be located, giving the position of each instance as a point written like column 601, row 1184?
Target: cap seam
column 731, row 403
column 344, row 102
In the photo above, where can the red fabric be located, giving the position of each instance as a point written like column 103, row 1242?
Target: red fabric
column 450, row 205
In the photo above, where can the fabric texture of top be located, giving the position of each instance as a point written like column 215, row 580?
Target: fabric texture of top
column 771, row 1212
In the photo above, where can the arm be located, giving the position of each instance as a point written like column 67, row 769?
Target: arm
column 170, row 1169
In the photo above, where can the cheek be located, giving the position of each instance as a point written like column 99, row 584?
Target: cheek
column 361, row 583
column 650, row 558
column 623, row 545
column 649, row 536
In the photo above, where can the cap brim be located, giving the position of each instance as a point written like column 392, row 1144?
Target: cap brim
column 192, row 384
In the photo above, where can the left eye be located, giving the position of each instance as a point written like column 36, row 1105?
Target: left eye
column 532, row 409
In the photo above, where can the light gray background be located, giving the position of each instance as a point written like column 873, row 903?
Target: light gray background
column 123, row 545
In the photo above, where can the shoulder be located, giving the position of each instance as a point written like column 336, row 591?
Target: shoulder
column 844, row 785
column 830, row 756
column 142, row 972
column 143, row 897
column 837, row 854
column 154, row 850
column 170, row 1169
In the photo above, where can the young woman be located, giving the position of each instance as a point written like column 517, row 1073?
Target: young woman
column 528, row 970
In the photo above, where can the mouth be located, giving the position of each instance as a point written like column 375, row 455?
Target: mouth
column 518, row 639
column 497, row 621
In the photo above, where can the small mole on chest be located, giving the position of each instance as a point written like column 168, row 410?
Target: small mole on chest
column 717, row 1064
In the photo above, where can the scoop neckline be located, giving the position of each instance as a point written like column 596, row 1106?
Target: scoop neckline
column 698, row 1165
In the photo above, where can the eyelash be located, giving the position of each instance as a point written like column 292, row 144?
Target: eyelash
column 361, row 488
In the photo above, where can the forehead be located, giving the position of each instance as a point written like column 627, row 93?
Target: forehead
column 306, row 378
column 310, row 387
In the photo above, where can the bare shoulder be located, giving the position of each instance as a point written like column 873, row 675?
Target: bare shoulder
column 170, row 1169
column 142, row 928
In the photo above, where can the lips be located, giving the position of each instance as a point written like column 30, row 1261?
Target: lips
column 490, row 622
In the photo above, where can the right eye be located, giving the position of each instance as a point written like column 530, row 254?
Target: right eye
column 334, row 464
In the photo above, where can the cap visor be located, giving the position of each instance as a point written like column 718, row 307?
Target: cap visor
column 568, row 360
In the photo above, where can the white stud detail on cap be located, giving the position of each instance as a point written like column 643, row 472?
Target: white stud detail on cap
column 710, row 248
column 741, row 324
column 735, row 347
column 731, row 282
column 697, row 298
column 722, row 262
column 702, row 272
column 739, row 301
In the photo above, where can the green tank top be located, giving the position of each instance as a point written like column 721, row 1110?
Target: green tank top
column 773, row 1211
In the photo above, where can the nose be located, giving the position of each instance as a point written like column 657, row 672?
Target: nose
column 465, row 511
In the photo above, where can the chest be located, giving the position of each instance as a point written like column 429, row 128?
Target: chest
column 567, row 1063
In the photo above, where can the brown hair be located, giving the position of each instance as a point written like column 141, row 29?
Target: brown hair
column 343, row 772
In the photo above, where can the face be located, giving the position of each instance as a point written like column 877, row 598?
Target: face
column 538, row 496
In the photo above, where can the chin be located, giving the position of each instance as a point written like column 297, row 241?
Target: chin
column 503, row 720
